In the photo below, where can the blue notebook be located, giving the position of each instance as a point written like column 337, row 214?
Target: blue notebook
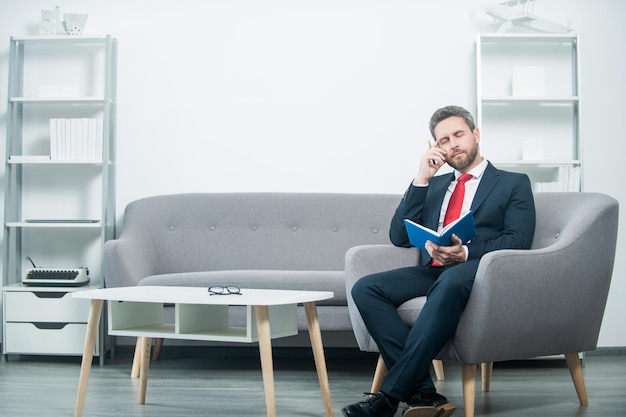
column 463, row 227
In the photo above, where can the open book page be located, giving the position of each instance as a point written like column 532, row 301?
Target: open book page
column 463, row 227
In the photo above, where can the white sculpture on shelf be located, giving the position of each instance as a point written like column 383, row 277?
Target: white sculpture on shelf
column 75, row 23
column 51, row 23
column 520, row 13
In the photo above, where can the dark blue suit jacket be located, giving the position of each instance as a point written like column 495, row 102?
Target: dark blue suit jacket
column 503, row 207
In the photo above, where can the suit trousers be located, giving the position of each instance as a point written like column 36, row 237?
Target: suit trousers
column 408, row 351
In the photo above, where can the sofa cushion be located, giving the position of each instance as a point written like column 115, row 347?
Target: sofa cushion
column 260, row 279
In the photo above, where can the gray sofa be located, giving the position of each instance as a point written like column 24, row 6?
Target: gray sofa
column 292, row 241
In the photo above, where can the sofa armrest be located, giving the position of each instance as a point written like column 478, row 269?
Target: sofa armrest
column 365, row 260
column 126, row 261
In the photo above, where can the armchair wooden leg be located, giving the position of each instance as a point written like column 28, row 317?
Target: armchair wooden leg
column 381, row 371
column 576, row 371
column 485, row 373
column 379, row 374
column 438, row 367
column 468, row 374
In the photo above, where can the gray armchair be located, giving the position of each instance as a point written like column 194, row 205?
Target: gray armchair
column 525, row 303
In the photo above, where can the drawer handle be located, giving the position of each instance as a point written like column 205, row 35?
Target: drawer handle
column 49, row 326
column 46, row 294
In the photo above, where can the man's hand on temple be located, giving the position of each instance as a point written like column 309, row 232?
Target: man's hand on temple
column 433, row 159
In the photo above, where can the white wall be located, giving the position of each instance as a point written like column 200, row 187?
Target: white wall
column 326, row 95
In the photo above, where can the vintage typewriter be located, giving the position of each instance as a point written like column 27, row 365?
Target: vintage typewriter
column 56, row 277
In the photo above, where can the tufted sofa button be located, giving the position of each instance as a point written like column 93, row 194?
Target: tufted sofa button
column 375, row 230
column 556, row 235
column 294, row 228
column 172, row 228
column 253, row 228
column 335, row 229
column 212, row 228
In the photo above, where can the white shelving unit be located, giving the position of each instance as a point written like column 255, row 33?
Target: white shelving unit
column 58, row 211
column 528, row 106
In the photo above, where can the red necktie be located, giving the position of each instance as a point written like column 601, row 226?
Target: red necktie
column 453, row 211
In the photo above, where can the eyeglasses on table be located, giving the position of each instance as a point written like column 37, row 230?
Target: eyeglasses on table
column 227, row 290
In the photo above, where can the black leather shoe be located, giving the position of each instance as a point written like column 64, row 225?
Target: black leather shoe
column 428, row 404
column 376, row 405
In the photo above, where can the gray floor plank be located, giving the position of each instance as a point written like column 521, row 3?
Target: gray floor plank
column 191, row 383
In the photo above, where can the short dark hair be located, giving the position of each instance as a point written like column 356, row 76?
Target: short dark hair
column 451, row 111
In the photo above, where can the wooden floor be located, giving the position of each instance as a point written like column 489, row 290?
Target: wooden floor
column 227, row 382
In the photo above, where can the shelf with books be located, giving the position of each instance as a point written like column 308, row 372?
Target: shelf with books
column 59, row 194
column 528, row 106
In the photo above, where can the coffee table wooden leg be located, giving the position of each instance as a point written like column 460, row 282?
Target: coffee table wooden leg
column 95, row 310
column 134, row 372
column 318, row 354
column 265, row 350
column 146, row 344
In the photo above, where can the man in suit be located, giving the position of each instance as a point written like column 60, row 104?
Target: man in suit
column 504, row 215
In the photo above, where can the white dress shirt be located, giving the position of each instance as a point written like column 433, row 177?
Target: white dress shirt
column 470, row 191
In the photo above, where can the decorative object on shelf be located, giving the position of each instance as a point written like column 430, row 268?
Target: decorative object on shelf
column 75, row 23
column 50, row 22
column 520, row 13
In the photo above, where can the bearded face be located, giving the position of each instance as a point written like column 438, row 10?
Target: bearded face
column 464, row 159
column 460, row 143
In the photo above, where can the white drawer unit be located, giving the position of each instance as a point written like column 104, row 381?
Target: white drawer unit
column 40, row 306
column 42, row 338
column 44, row 321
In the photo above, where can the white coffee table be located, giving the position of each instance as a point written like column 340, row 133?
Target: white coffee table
column 138, row 312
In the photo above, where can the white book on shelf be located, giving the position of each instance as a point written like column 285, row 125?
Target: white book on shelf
column 59, row 139
column 67, row 143
column 53, row 139
column 563, row 178
column 99, row 138
column 574, row 179
column 72, row 139
column 63, row 143
column 90, row 140
column 79, row 139
column 84, row 139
